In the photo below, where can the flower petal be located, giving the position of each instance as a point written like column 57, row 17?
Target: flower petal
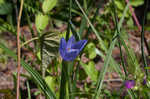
column 129, row 84
column 71, row 54
column 62, row 47
column 79, row 45
column 144, row 82
column 70, row 41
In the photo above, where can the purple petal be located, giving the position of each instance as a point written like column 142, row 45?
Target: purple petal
column 129, row 84
column 62, row 47
column 71, row 54
column 144, row 82
column 70, row 41
column 79, row 45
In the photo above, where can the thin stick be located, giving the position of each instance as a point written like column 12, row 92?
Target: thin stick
column 18, row 49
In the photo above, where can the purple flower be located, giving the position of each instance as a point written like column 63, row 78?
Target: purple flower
column 144, row 82
column 70, row 50
column 129, row 84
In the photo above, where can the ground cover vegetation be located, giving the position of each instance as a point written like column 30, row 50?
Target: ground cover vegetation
column 74, row 49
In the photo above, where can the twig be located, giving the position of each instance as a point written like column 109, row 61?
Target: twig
column 18, row 49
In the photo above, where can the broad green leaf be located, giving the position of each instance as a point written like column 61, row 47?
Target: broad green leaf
column 90, row 48
column 119, row 4
column 48, row 5
column 5, row 8
column 136, row 3
column 41, row 21
column 38, row 55
column 90, row 70
column 1, row 1
column 50, row 82
column 130, row 22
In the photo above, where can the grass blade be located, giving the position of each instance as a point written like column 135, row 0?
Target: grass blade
column 142, row 38
column 29, row 93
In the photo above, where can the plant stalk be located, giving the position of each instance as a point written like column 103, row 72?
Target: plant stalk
column 19, row 49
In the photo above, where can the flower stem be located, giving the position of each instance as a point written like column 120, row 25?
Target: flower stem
column 142, row 39
column 64, row 81
column 118, row 32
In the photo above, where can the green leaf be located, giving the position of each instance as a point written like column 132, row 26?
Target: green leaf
column 48, row 5
column 119, row 4
column 50, row 82
column 41, row 21
column 130, row 22
column 29, row 93
column 91, row 50
column 38, row 55
column 1, row 1
column 5, row 8
column 136, row 3
column 35, row 75
column 90, row 70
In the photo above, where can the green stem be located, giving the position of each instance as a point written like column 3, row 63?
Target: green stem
column 118, row 32
column 64, row 81
column 122, row 59
column 142, row 39
column 28, row 88
column 71, row 85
